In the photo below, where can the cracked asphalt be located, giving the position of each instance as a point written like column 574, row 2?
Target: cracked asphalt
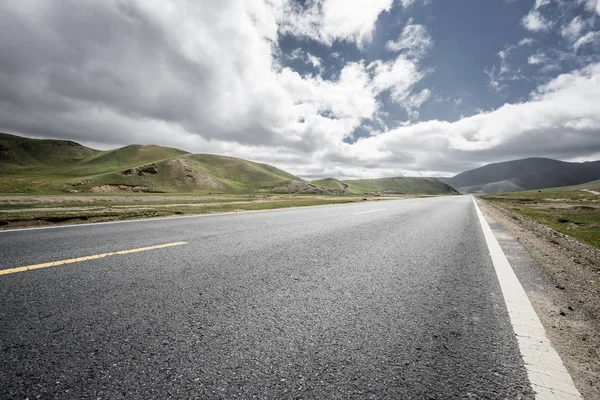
column 334, row 302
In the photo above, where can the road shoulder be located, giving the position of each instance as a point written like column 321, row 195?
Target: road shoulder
column 561, row 281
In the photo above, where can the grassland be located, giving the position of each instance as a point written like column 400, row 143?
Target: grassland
column 331, row 184
column 58, row 166
column 33, row 210
column 398, row 185
column 573, row 211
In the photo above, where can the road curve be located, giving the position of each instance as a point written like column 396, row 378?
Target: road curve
column 387, row 300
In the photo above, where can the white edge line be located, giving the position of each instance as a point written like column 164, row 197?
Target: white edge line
column 547, row 374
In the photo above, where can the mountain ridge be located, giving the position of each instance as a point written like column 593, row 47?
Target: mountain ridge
column 524, row 174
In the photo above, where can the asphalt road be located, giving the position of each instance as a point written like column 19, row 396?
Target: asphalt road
column 386, row 300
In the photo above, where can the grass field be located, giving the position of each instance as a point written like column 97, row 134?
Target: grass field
column 331, row 184
column 23, row 211
column 573, row 210
column 397, row 185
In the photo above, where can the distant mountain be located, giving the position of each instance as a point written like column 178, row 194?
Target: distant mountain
column 54, row 166
column 398, row 185
column 525, row 174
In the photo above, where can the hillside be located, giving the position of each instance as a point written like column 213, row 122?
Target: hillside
column 525, row 174
column 332, row 184
column 17, row 153
column 399, row 185
column 55, row 166
column 594, row 185
column 59, row 166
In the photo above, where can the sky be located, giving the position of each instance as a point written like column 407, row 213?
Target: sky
column 319, row 88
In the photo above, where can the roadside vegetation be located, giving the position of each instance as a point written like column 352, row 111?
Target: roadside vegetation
column 31, row 210
column 397, row 185
column 573, row 211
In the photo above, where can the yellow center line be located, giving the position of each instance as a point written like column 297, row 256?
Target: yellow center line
column 79, row 259
column 366, row 212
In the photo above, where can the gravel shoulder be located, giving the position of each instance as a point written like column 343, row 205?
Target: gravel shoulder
column 562, row 279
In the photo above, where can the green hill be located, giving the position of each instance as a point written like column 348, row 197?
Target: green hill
column 18, row 153
column 203, row 173
column 400, row 185
column 55, row 166
column 60, row 166
column 595, row 185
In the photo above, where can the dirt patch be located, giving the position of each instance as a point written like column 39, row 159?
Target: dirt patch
column 144, row 170
column 299, row 187
column 184, row 176
column 569, row 311
column 122, row 189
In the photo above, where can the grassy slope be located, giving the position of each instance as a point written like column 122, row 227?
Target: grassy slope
column 330, row 183
column 57, row 166
column 203, row 173
column 126, row 157
column 399, row 185
column 595, row 185
column 54, row 166
column 408, row 185
column 568, row 210
column 19, row 154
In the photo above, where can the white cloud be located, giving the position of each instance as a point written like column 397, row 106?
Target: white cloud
column 573, row 30
column 534, row 21
column 505, row 72
column 413, row 102
column 201, row 77
column 314, row 60
column 495, row 79
column 331, row 20
column 397, row 76
column 592, row 5
column 406, row 3
column 299, row 54
column 414, row 41
column 418, row 99
column 536, row 59
column 526, row 42
column 561, row 116
column 592, row 38
column 541, row 3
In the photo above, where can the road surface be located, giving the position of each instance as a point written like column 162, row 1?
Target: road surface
column 385, row 300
